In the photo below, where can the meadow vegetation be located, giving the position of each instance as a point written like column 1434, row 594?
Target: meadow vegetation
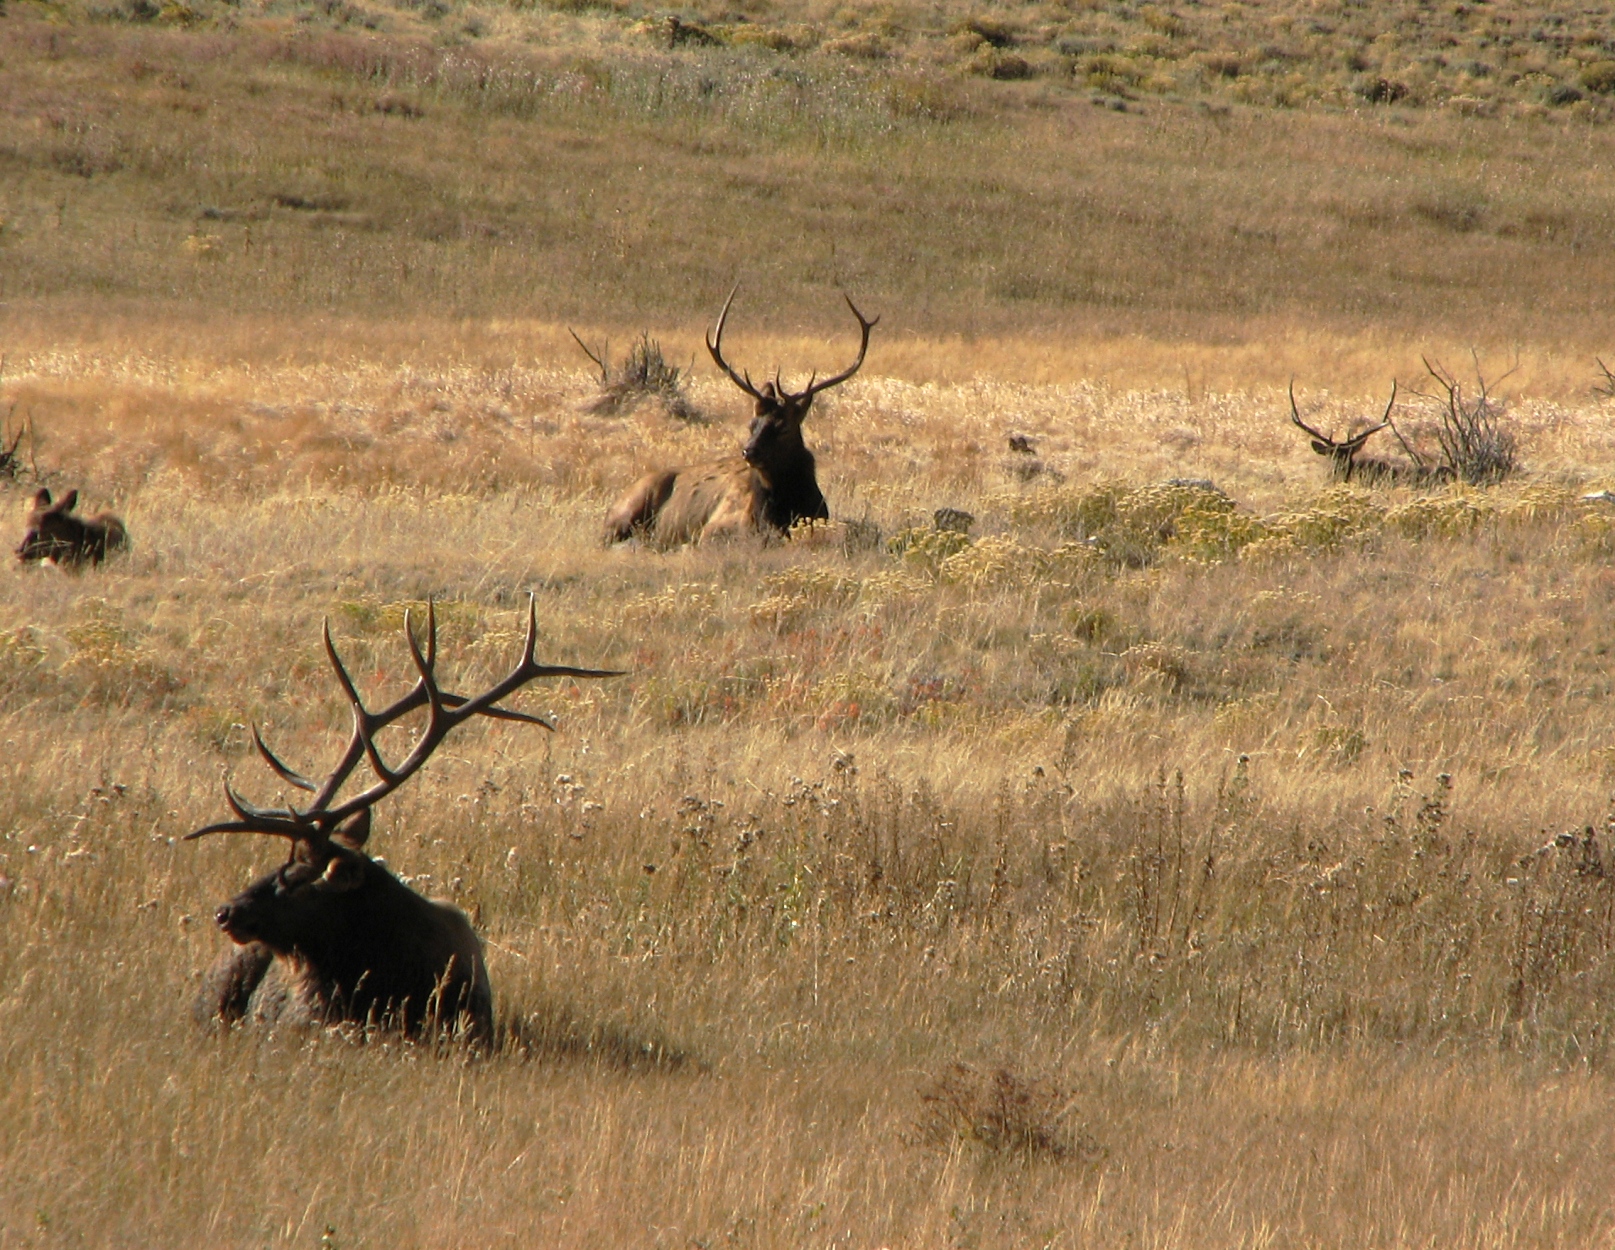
column 1185, row 851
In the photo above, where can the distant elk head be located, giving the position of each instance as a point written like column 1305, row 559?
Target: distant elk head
column 331, row 936
column 770, row 486
column 54, row 533
column 1348, row 464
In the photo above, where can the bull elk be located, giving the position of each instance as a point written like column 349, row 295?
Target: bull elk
column 55, row 534
column 331, row 936
column 769, row 486
column 1346, row 463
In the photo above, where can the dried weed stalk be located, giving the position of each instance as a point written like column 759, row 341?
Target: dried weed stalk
column 1479, row 448
column 1003, row 1113
column 1606, row 388
column 10, row 462
column 643, row 374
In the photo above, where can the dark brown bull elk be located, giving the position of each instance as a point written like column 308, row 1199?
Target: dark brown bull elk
column 769, row 486
column 55, row 534
column 331, row 936
column 1348, row 465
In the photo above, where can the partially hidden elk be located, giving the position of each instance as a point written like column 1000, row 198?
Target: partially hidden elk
column 57, row 535
column 1348, row 464
column 767, row 488
column 331, row 937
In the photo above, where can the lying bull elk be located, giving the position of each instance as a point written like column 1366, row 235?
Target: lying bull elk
column 55, row 534
column 331, row 936
column 771, row 485
column 1344, row 457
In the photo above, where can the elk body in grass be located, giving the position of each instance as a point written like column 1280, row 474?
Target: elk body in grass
column 768, row 487
column 54, row 533
column 331, row 936
column 1348, row 464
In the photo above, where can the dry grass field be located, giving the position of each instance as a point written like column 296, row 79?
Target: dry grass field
column 1151, row 866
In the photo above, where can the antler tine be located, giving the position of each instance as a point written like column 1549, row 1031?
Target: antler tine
column 1295, row 415
column 715, row 348
column 424, row 663
column 250, row 819
column 1413, row 452
column 530, row 643
column 864, row 327
column 293, row 833
column 367, row 739
column 247, row 812
column 281, row 770
column 223, row 826
column 364, row 725
column 348, row 687
column 1358, row 440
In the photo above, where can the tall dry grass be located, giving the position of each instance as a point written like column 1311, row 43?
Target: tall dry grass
column 1148, row 865
column 154, row 175
column 1107, row 805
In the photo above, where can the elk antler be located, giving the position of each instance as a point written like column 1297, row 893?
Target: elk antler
column 813, row 388
column 1408, row 447
column 744, row 382
column 1356, row 441
column 1295, row 415
column 715, row 347
column 316, row 822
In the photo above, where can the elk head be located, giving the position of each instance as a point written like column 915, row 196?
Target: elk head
column 285, row 907
column 1342, row 455
column 50, row 531
column 775, row 438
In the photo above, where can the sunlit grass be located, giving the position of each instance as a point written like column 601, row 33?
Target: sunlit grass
column 862, row 811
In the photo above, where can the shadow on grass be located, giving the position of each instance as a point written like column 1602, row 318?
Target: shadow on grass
column 553, row 1031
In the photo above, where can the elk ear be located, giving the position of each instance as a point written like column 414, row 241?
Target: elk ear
column 354, row 832
column 41, row 498
column 1322, row 448
column 343, row 873
column 68, row 502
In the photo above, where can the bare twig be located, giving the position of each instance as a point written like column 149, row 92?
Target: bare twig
column 1607, row 387
column 1473, row 440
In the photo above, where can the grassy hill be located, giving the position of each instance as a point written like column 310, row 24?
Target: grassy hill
column 565, row 167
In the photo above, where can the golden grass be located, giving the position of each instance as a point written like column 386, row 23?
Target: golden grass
column 1149, row 866
column 155, row 175
column 858, row 815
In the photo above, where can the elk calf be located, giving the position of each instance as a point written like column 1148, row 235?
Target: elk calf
column 1346, row 464
column 55, row 534
column 331, row 936
column 770, row 486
